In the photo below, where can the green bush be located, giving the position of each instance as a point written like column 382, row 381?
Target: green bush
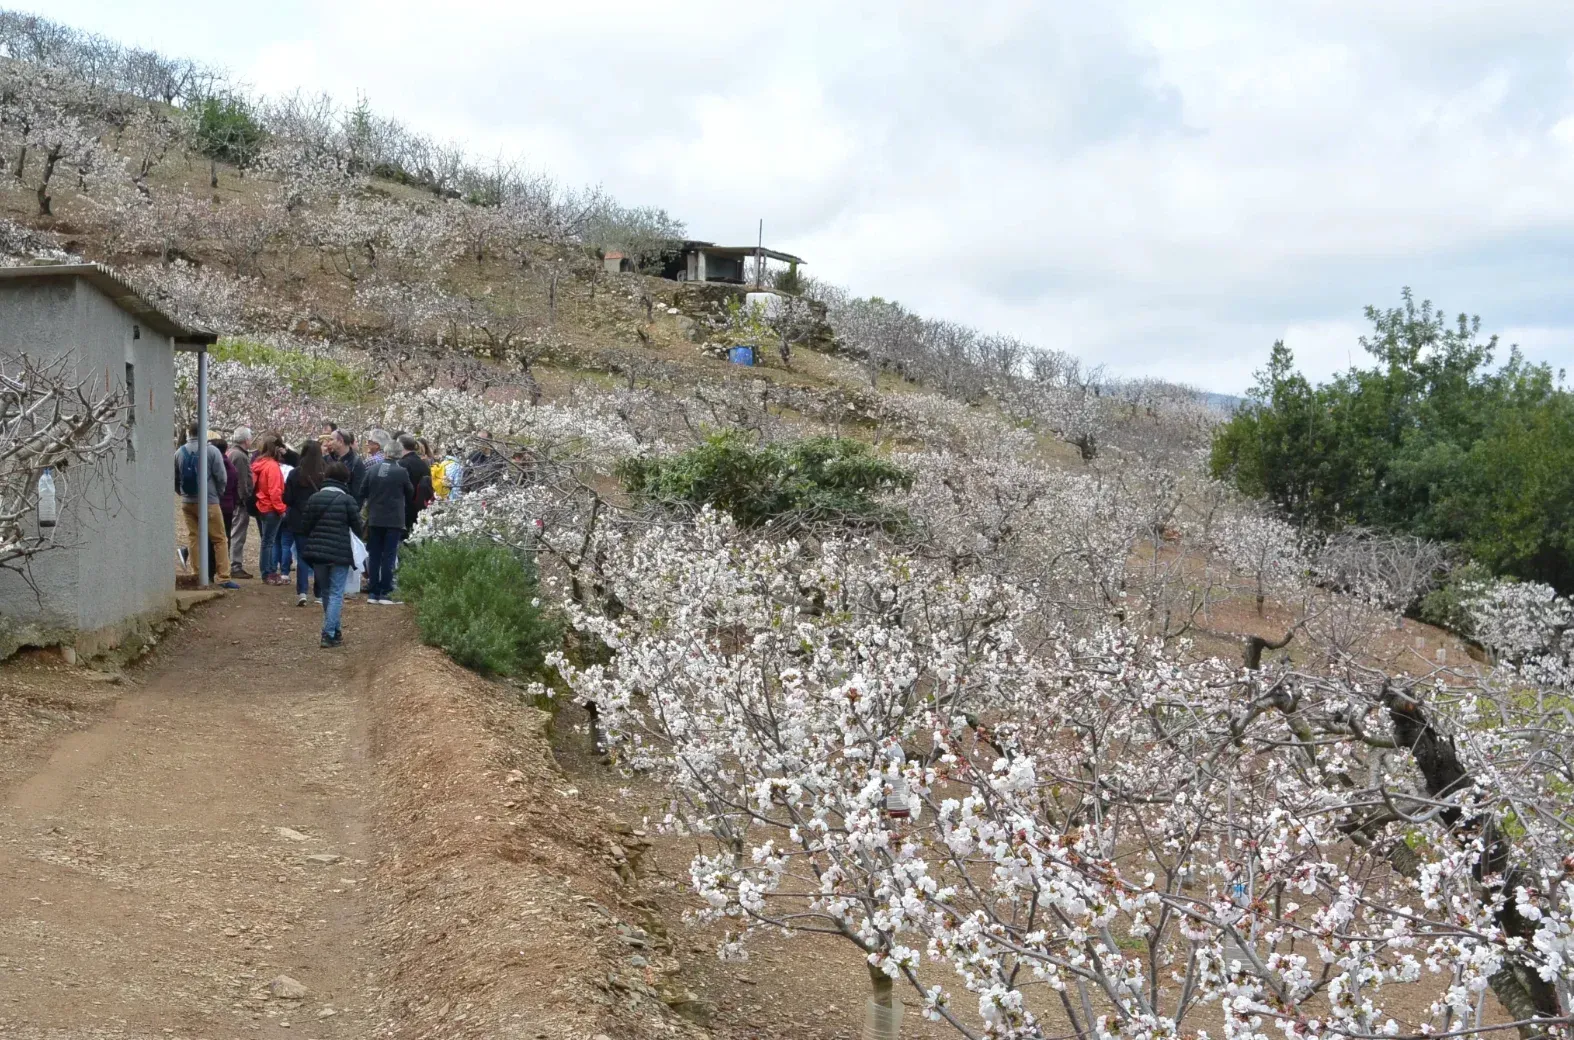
column 228, row 131
column 815, row 479
column 478, row 601
column 1444, row 606
column 790, row 280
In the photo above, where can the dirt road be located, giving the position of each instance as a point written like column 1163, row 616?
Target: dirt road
column 159, row 868
column 375, row 823
column 385, row 828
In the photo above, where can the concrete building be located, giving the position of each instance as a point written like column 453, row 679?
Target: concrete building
column 111, row 576
column 697, row 261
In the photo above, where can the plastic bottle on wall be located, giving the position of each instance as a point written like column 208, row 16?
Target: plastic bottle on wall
column 47, row 511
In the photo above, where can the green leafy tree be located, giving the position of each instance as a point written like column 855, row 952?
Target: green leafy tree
column 228, row 130
column 1430, row 440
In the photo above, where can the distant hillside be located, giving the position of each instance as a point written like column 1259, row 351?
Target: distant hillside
column 296, row 216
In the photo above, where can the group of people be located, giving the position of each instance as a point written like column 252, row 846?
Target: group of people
column 310, row 505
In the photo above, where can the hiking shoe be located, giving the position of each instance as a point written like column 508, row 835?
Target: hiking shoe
column 329, row 642
column 300, row 600
column 228, row 585
column 242, row 573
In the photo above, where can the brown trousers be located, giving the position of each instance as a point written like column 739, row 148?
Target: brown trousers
column 219, row 544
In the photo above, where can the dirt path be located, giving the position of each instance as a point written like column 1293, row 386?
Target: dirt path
column 146, row 886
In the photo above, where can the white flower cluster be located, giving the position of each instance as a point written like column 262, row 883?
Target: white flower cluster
column 592, row 436
column 894, row 751
column 1526, row 623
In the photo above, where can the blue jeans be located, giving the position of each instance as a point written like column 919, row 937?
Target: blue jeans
column 303, row 570
column 286, row 549
column 268, row 526
column 330, row 581
column 382, row 556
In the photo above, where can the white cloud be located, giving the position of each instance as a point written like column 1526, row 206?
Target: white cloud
column 1164, row 188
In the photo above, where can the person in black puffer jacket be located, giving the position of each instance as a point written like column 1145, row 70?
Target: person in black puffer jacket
column 327, row 522
column 304, row 481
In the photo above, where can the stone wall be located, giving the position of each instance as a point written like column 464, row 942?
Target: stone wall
column 706, row 305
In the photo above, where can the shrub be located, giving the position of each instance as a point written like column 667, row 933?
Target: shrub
column 1446, row 606
column 816, row 479
column 228, row 130
column 478, row 602
column 790, row 281
column 309, row 374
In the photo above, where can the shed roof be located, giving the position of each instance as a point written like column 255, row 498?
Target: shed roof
column 122, row 294
column 748, row 251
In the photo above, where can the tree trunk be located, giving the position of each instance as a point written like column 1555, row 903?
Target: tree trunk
column 46, row 205
column 1516, row 984
column 1255, row 645
column 213, row 172
column 21, row 162
column 882, row 1018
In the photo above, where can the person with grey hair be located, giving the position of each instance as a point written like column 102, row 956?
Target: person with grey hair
column 240, row 458
column 373, row 450
column 388, row 498
column 377, row 444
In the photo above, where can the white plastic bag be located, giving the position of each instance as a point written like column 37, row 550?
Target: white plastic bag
column 352, row 584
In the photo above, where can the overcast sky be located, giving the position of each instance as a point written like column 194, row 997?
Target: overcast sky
column 1164, row 188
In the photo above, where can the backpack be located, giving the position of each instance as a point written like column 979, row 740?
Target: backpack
column 189, row 472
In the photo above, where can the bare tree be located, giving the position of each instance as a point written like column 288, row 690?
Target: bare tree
column 49, row 419
column 1391, row 570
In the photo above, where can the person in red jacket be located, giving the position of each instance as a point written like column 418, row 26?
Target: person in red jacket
column 269, row 483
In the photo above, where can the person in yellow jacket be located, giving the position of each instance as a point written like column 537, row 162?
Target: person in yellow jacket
column 446, row 476
column 440, row 486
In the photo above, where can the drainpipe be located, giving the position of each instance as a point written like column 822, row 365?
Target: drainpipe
column 202, row 548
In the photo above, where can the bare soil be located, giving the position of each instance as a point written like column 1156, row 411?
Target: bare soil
column 158, row 830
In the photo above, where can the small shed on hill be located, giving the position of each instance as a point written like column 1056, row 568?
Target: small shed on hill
column 696, row 261
column 111, row 575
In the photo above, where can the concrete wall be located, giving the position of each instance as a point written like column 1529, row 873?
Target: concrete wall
column 114, row 567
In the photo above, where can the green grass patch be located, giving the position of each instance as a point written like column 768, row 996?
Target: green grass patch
column 479, row 602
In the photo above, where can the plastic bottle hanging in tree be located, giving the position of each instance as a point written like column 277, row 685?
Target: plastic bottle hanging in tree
column 47, row 511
